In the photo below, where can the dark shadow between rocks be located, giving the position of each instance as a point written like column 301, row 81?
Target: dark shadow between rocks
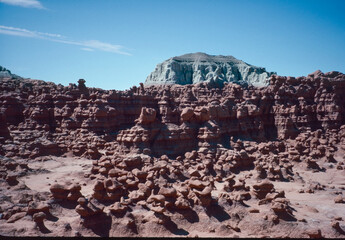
column 217, row 212
column 100, row 224
column 339, row 229
column 51, row 217
column 243, row 204
column 189, row 214
column 292, row 209
column 173, row 228
column 119, row 214
column 67, row 204
column 13, row 182
column 286, row 217
column 42, row 228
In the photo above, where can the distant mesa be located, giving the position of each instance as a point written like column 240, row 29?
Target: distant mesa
column 200, row 67
column 5, row 73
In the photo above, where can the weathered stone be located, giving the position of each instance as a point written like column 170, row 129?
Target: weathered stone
column 198, row 67
column 39, row 217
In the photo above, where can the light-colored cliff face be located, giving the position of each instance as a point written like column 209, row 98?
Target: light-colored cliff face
column 5, row 73
column 199, row 67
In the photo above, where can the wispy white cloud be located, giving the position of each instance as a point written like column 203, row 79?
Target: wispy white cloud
column 24, row 3
column 89, row 45
column 106, row 47
column 87, row 49
column 26, row 33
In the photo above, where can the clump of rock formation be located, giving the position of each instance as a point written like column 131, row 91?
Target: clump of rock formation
column 169, row 160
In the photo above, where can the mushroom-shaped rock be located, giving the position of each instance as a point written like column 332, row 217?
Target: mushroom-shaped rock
column 158, row 209
column 206, row 192
column 117, row 172
column 187, row 114
column 281, row 206
column 336, row 226
column 75, row 188
column 194, row 172
column 112, row 185
column 74, row 192
column 98, row 186
column 118, row 208
column 99, row 190
column 196, row 184
column 130, row 183
column 112, row 173
column 314, row 233
column 39, row 217
column 183, row 190
column 82, row 201
column 156, row 198
column 263, row 188
column 339, row 199
column 83, row 211
column 147, row 116
column 278, row 207
column 59, row 191
column 139, row 174
column 133, row 161
column 205, row 196
column 35, row 207
column 243, row 196
column 157, row 203
column 168, row 192
column 11, row 178
column 88, row 209
column 144, row 189
column 202, row 114
column 136, row 196
column 274, row 195
column 229, row 183
column 182, row 203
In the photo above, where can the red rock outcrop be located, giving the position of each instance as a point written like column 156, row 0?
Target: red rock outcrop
column 174, row 148
column 39, row 118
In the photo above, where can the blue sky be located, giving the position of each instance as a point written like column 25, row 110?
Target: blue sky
column 115, row 44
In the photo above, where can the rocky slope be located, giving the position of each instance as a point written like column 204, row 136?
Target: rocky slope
column 200, row 67
column 173, row 160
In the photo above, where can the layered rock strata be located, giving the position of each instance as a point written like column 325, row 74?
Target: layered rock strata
column 200, row 67
column 40, row 118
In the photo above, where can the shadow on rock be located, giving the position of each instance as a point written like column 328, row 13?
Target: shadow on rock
column 189, row 214
column 100, row 224
column 217, row 212
column 173, row 228
column 286, row 217
column 68, row 204
column 42, row 228
column 51, row 217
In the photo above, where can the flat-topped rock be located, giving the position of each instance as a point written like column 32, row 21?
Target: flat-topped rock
column 200, row 67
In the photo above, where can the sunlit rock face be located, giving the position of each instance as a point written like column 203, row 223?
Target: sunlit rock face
column 5, row 73
column 200, row 67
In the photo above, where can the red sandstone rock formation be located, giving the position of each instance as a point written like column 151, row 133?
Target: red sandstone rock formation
column 39, row 118
column 165, row 149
